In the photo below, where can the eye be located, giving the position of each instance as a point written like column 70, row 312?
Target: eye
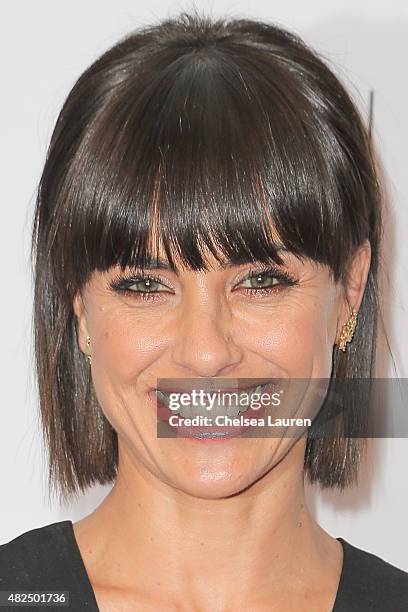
column 266, row 280
column 139, row 286
column 148, row 286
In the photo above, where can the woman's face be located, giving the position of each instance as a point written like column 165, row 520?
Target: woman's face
column 218, row 323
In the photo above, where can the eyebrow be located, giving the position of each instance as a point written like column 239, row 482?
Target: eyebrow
column 162, row 264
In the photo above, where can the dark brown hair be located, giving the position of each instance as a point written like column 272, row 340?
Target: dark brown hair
column 215, row 130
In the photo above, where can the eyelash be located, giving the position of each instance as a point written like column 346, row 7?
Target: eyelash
column 121, row 283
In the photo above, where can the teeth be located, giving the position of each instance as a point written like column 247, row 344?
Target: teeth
column 213, row 434
column 190, row 411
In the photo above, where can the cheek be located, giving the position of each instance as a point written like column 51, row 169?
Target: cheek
column 296, row 338
column 124, row 347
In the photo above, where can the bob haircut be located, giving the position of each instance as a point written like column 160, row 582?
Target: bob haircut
column 222, row 135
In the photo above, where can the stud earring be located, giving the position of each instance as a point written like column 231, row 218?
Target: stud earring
column 88, row 343
column 348, row 330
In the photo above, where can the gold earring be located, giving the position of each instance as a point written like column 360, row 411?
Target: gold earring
column 88, row 343
column 348, row 330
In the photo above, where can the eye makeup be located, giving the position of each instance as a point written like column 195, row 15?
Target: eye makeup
column 122, row 283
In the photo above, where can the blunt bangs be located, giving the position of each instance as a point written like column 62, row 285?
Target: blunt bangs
column 196, row 136
column 223, row 147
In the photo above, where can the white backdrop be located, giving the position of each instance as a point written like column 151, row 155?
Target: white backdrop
column 45, row 46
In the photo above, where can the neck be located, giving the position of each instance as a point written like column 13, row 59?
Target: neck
column 264, row 535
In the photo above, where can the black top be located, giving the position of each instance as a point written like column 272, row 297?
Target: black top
column 49, row 559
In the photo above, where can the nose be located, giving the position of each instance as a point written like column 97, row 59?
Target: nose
column 203, row 345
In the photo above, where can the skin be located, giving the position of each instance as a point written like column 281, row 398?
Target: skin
column 209, row 526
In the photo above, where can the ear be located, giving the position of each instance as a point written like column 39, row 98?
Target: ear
column 353, row 292
column 81, row 327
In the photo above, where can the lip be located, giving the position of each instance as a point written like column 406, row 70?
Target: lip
column 213, row 386
column 208, row 433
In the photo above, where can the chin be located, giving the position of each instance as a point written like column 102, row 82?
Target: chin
column 214, row 486
column 216, row 478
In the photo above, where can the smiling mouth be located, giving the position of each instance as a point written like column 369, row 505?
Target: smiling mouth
column 238, row 402
column 225, row 418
